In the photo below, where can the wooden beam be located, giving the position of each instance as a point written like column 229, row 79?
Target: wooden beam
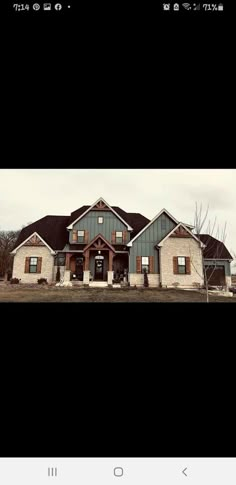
column 86, row 263
column 68, row 256
column 110, row 260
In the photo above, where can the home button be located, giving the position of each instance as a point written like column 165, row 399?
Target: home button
column 118, row 471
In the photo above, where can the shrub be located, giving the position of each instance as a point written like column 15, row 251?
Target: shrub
column 58, row 275
column 42, row 281
column 145, row 284
column 14, row 281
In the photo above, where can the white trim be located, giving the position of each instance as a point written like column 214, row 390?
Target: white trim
column 218, row 259
column 69, row 251
column 188, row 225
column 33, row 233
column 151, row 222
column 90, row 208
column 173, row 230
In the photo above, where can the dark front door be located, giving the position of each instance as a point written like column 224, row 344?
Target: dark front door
column 99, row 269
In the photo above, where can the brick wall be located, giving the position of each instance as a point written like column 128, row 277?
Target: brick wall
column 30, row 251
column 187, row 247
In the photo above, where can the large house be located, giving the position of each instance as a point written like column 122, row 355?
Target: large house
column 103, row 243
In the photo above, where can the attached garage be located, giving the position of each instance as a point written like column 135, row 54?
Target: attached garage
column 217, row 256
column 216, row 275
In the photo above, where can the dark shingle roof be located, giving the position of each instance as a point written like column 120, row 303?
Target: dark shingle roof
column 74, row 215
column 214, row 249
column 53, row 228
column 134, row 219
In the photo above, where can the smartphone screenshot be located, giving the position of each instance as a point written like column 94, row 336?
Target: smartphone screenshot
column 117, row 243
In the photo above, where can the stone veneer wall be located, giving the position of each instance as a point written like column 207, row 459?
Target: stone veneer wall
column 137, row 279
column 33, row 251
column 176, row 246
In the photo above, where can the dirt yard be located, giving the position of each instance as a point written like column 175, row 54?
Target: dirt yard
column 15, row 293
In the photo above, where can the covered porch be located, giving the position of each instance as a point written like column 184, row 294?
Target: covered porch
column 93, row 266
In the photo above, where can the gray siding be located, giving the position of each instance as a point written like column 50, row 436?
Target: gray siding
column 226, row 264
column 145, row 244
column 90, row 223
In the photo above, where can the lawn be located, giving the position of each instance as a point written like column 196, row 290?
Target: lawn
column 15, row 293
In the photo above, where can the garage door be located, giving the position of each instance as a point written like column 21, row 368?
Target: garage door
column 217, row 278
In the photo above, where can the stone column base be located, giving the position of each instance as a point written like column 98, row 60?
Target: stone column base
column 86, row 277
column 66, row 275
column 228, row 282
column 110, row 277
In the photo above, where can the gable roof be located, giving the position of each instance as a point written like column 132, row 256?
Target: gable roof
column 51, row 228
column 28, row 239
column 77, row 213
column 150, row 223
column 214, row 249
column 135, row 219
column 129, row 228
column 160, row 243
column 99, row 236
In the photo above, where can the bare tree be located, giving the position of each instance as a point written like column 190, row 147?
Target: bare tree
column 234, row 262
column 202, row 224
column 7, row 241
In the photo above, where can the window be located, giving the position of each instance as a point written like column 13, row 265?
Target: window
column 100, row 220
column 60, row 259
column 181, row 265
column 119, row 237
column 33, row 265
column 80, row 236
column 145, row 264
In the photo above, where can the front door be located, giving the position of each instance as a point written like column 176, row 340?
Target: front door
column 98, row 269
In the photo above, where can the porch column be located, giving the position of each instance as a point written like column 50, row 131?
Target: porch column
column 110, row 260
column 67, row 267
column 86, row 268
column 110, row 272
column 86, row 262
column 68, row 256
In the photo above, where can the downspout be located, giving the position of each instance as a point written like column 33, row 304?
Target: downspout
column 160, row 267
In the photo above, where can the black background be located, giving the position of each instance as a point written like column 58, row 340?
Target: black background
column 118, row 87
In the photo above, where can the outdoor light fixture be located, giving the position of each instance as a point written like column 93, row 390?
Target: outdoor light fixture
column 99, row 252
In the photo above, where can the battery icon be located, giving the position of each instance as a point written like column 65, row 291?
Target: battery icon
column 221, row 7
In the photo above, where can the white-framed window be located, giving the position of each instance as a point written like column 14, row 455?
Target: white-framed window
column 33, row 265
column 145, row 264
column 181, row 265
column 100, row 220
column 80, row 236
column 119, row 237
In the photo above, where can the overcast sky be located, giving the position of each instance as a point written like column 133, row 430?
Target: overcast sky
column 28, row 195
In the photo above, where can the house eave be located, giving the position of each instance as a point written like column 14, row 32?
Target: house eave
column 129, row 228
column 27, row 239
column 150, row 223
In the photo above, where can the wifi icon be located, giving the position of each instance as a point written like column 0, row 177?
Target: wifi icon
column 187, row 6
